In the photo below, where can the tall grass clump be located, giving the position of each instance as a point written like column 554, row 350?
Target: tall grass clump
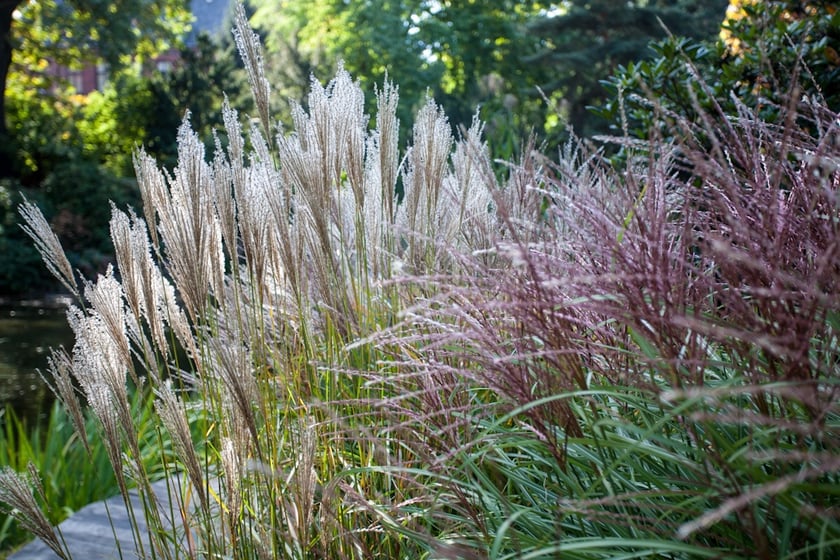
column 650, row 367
column 393, row 354
column 237, row 292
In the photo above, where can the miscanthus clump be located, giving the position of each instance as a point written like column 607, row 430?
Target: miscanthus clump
column 359, row 351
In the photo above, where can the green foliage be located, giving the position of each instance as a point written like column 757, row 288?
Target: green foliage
column 463, row 54
column 500, row 56
column 583, row 361
column 73, row 152
column 589, row 40
column 760, row 54
column 21, row 269
column 135, row 110
column 72, row 33
column 59, row 166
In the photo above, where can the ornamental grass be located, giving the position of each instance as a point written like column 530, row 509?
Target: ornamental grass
column 358, row 352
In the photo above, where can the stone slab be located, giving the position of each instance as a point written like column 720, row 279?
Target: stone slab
column 102, row 530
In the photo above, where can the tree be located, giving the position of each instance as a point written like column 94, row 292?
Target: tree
column 585, row 41
column 74, row 32
column 464, row 53
column 134, row 109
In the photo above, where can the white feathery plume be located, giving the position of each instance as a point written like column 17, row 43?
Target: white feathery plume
column 152, row 183
column 387, row 142
column 142, row 280
column 231, row 362
column 427, row 165
column 60, row 367
column 468, row 194
column 173, row 415
column 248, row 45
column 106, row 303
column 48, row 245
column 16, row 492
column 232, row 468
column 129, row 268
column 255, row 219
column 100, row 399
column 189, row 227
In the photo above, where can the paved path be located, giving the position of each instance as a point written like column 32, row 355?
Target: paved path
column 92, row 534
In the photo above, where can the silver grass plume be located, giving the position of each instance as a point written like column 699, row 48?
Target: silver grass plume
column 232, row 467
column 98, row 361
column 106, row 301
column 427, row 165
column 248, row 45
column 100, row 399
column 152, row 183
column 470, row 190
column 303, row 481
column 60, row 367
column 230, row 175
column 387, row 144
column 231, row 362
column 173, row 415
column 327, row 146
column 16, row 492
column 48, row 245
column 144, row 285
column 381, row 171
column 257, row 229
column 120, row 228
column 189, row 228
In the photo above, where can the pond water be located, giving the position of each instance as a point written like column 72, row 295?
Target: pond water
column 27, row 332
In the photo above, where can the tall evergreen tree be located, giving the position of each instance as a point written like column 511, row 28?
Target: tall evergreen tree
column 586, row 40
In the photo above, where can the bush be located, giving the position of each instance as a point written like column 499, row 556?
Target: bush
column 765, row 50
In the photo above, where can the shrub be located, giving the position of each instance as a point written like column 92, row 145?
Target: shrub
column 765, row 49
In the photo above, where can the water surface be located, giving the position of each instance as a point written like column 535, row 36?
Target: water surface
column 26, row 334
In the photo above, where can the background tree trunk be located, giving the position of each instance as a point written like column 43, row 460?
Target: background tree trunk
column 7, row 8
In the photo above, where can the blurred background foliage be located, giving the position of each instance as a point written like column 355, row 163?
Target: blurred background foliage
column 548, row 68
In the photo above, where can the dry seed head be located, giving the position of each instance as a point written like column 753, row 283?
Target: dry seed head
column 423, row 178
column 223, row 185
column 141, row 279
column 96, row 358
column 106, row 301
column 16, row 493
column 387, row 143
column 232, row 469
column 61, row 367
column 248, row 45
column 173, row 415
column 101, row 402
column 232, row 364
column 304, row 478
column 152, row 183
column 189, row 227
column 257, row 228
column 48, row 245
column 120, row 227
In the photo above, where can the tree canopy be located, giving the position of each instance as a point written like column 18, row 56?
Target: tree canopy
column 74, row 32
column 503, row 56
column 586, row 41
column 463, row 53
